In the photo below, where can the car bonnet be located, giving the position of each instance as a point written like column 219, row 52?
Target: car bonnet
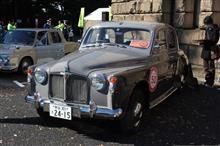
column 83, row 62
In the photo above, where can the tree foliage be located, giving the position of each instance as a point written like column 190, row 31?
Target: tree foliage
column 65, row 9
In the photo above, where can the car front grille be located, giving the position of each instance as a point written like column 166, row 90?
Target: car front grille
column 57, row 86
column 76, row 88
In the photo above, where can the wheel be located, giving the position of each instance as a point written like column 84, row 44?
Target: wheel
column 131, row 121
column 25, row 63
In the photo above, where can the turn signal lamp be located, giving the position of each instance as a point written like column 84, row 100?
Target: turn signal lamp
column 29, row 72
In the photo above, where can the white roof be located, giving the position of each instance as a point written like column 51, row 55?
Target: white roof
column 97, row 14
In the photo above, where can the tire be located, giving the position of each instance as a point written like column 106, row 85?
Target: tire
column 24, row 64
column 131, row 121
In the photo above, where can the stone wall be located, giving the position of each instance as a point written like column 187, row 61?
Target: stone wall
column 185, row 15
column 141, row 10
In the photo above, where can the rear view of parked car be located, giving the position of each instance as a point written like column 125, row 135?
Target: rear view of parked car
column 120, row 70
column 22, row 48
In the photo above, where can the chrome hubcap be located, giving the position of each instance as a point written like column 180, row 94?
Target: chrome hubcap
column 137, row 112
column 182, row 78
column 25, row 66
column 137, row 109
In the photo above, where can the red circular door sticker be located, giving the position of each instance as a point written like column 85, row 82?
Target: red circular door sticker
column 153, row 79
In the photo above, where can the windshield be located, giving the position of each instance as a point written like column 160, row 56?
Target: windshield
column 131, row 37
column 19, row 37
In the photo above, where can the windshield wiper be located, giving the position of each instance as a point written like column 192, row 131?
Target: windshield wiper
column 102, row 44
column 93, row 45
column 118, row 45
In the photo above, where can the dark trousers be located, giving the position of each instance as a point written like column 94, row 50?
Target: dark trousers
column 209, row 68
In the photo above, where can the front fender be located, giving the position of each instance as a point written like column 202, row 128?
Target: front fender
column 128, row 81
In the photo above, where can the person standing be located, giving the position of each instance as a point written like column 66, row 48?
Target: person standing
column 11, row 25
column 60, row 25
column 66, row 29
column 47, row 25
column 71, row 35
column 209, row 49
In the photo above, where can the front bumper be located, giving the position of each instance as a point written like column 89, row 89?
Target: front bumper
column 8, row 67
column 82, row 110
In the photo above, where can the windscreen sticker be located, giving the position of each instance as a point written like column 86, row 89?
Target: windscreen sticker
column 139, row 44
column 153, row 79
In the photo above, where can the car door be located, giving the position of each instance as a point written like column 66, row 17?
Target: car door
column 57, row 46
column 172, row 46
column 42, row 46
column 160, row 55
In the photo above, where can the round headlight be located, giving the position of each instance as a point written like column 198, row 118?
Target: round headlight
column 98, row 81
column 40, row 76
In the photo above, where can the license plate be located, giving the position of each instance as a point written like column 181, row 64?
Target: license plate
column 62, row 112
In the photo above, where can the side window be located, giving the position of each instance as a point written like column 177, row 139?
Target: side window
column 55, row 37
column 171, row 39
column 42, row 38
column 160, row 39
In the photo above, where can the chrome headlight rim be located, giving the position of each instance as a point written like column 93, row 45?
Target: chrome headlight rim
column 41, row 76
column 98, row 81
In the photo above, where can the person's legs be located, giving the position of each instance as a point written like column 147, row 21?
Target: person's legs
column 212, row 70
column 209, row 68
column 205, row 65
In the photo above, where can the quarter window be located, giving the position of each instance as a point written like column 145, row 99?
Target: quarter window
column 171, row 39
column 160, row 39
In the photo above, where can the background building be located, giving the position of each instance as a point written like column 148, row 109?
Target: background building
column 185, row 15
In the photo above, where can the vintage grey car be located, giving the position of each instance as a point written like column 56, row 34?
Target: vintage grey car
column 120, row 69
column 22, row 48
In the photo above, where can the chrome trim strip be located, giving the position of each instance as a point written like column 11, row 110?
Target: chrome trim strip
column 109, row 95
column 64, row 85
column 103, row 112
column 162, row 98
column 19, row 84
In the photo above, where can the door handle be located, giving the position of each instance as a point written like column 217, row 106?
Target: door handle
column 60, row 50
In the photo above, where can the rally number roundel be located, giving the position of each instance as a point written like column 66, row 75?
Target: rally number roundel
column 153, row 79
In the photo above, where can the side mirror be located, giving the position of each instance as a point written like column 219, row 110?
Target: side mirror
column 17, row 47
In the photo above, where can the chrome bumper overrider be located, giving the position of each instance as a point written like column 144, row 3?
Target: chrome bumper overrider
column 85, row 110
